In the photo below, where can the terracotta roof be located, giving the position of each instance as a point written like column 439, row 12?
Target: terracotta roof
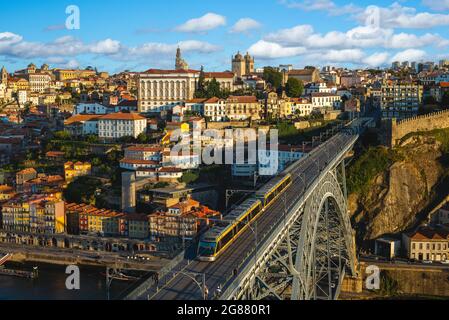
column 144, row 148
column 219, row 75
column 196, row 100
column 122, row 116
column 81, row 118
column 242, row 99
column 134, row 161
column 301, row 72
column 212, row 100
column 428, row 233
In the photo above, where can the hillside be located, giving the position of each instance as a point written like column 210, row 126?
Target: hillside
column 392, row 190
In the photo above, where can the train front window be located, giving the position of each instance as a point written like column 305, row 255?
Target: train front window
column 206, row 249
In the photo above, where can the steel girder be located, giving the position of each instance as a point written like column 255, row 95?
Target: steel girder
column 311, row 254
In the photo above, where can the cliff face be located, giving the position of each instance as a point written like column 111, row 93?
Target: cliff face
column 398, row 195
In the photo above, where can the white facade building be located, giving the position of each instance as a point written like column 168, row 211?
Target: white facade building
column 119, row 125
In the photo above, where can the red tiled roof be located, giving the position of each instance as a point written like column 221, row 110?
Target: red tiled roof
column 161, row 71
column 243, row 99
column 219, row 75
column 122, row 116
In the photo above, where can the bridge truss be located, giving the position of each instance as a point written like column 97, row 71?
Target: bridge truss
column 309, row 253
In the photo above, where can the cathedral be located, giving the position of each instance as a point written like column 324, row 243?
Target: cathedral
column 4, row 76
column 181, row 64
column 242, row 65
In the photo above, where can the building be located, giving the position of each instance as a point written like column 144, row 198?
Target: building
column 37, row 214
column 388, row 248
column 242, row 66
column 427, row 244
column 75, row 170
column 160, row 90
column 301, row 107
column 180, row 64
column 25, row 175
column 118, row 125
column 305, row 75
column 82, row 124
column 91, row 108
column 138, row 226
column 225, row 79
column 4, row 77
column 401, row 97
column 215, row 109
column 321, row 100
column 39, row 82
column 243, row 108
column 182, row 220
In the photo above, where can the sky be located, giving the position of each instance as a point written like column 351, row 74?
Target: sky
column 117, row 35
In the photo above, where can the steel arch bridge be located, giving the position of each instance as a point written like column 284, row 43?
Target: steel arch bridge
column 311, row 253
column 303, row 250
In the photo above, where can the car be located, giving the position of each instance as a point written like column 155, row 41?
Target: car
column 427, row 261
column 445, row 261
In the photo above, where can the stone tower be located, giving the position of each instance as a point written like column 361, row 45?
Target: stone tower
column 4, row 76
column 249, row 64
column 238, row 65
column 180, row 64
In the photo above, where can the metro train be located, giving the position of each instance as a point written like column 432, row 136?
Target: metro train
column 217, row 239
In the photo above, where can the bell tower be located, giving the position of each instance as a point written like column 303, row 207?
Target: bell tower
column 4, row 76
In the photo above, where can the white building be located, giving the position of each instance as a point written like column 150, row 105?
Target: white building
column 215, row 109
column 39, row 82
column 319, row 87
column 91, row 108
column 160, row 90
column 119, row 125
column 301, row 107
column 81, row 125
column 22, row 97
column 326, row 100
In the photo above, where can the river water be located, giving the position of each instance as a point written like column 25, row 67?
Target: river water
column 50, row 285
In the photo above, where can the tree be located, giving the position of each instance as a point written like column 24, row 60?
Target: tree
column 201, row 91
column 273, row 77
column 213, row 89
column 294, row 88
column 142, row 138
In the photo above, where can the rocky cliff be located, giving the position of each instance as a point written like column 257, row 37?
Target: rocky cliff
column 398, row 197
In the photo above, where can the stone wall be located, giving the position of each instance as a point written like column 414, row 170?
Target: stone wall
column 394, row 130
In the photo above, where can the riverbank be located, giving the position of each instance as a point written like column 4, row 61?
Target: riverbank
column 66, row 257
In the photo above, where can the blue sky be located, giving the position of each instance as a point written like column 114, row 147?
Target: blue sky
column 137, row 34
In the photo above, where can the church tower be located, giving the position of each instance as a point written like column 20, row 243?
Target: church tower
column 4, row 76
column 180, row 64
column 249, row 64
column 238, row 65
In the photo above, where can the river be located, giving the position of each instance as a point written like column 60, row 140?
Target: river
column 50, row 285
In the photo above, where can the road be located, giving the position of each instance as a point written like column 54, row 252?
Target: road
column 181, row 286
column 403, row 264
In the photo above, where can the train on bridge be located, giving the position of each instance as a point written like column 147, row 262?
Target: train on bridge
column 215, row 241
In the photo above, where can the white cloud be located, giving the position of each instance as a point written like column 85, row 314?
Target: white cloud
column 157, row 48
column 409, row 55
column 107, row 46
column 397, row 16
column 322, row 5
column 245, row 25
column 270, row 50
column 205, row 23
column 292, row 36
column 376, row 59
column 437, row 4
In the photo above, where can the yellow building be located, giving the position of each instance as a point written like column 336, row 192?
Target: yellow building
column 74, row 170
column 6, row 193
column 138, row 226
column 243, row 107
column 106, row 222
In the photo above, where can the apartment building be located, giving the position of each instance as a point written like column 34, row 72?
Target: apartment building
column 39, row 82
column 215, row 109
column 118, row 125
column 243, row 108
column 397, row 96
column 77, row 169
column 427, row 244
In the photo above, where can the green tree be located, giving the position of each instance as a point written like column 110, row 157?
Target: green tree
column 213, row 89
column 201, row 91
column 189, row 177
column 142, row 138
column 273, row 77
column 294, row 88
